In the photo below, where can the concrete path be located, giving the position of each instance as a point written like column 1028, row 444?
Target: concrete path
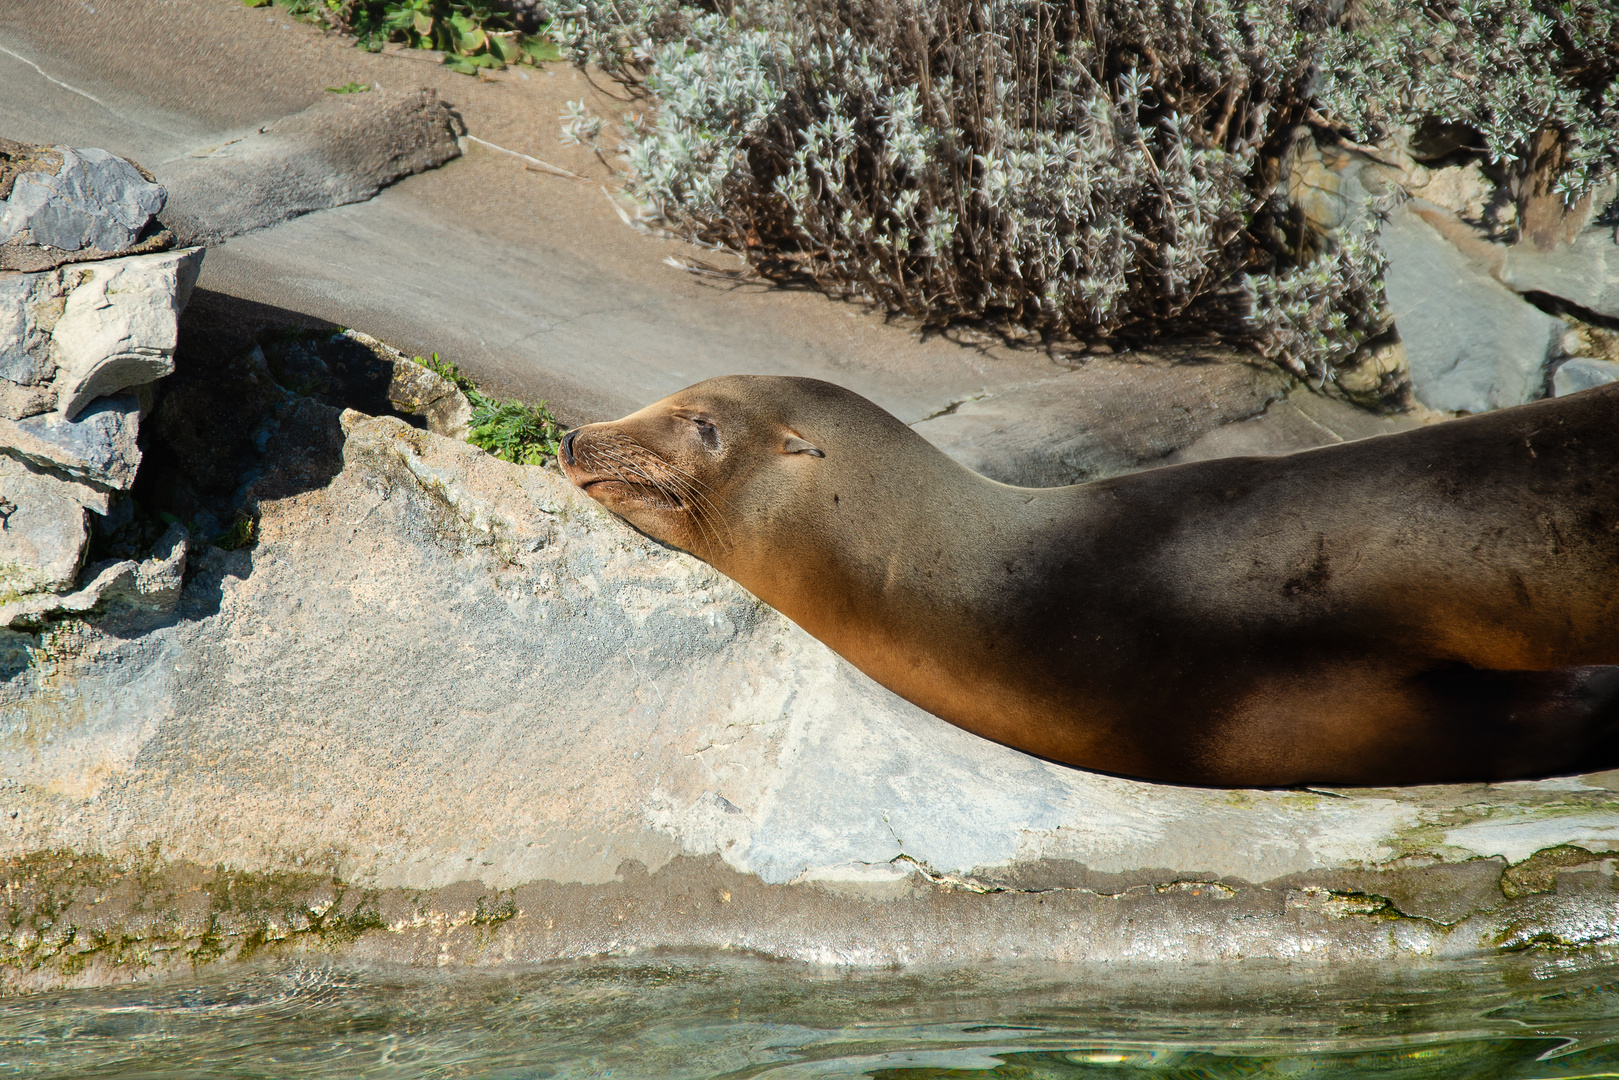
column 531, row 281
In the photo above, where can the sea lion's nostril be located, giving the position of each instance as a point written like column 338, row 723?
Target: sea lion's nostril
column 567, row 446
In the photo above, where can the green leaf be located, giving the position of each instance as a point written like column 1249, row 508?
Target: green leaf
column 422, row 22
column 541, row 50
column 348, row 88
column 505, row 48
column 460, row 63
column 256, row 3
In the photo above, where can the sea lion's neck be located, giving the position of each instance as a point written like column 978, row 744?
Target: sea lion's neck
column 907, row 580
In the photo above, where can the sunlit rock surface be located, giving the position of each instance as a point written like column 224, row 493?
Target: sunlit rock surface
column 447, row 710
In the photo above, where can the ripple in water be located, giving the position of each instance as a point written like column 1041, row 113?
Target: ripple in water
column 1514, row 1018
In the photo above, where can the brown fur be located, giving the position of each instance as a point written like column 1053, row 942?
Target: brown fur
column 1437, row 605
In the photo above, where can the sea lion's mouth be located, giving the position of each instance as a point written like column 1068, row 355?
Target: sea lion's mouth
column 614, row 488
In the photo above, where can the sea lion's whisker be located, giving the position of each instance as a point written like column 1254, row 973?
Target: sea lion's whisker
column 656, row 474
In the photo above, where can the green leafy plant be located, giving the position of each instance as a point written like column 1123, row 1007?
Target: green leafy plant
column 510, row 430
column 348, row 88
column 473, row 35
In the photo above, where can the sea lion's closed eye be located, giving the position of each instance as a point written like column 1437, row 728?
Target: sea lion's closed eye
column 795, row 445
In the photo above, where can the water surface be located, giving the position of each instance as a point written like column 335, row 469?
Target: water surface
column 1512, row 1018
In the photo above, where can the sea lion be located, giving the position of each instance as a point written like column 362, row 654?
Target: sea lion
column 1436, row 605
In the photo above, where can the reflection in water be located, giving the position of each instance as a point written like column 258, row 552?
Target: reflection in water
column 1509, row 1018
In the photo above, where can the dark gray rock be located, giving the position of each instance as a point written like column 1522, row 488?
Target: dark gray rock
column 342, row 150
column 95, row 200
column 1582, row 373
column 99, row 446
column 1472, row 344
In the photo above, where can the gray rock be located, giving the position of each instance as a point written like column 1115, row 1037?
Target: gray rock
column 95, row 200
column 1107, row 417
column 119, row 324
column 42, row 532
column 1582, row 373
column 152, row 585
column 1472, row 344
column 1585, row 272
column 416, row 391
column 342, row 150
column 30, row 305
column 99, row 446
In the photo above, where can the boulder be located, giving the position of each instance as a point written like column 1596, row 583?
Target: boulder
column 421, row 392
column 1582, row 373
column 118, row 326
column 1471, row 343
column 63, row 204
column 151, row 585
column 505, row 728
column 1107, row 417
column 343, row 149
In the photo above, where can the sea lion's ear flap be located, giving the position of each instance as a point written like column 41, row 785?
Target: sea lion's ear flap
column 795, row 445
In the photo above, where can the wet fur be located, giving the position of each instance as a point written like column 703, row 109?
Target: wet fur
column 1437, row 605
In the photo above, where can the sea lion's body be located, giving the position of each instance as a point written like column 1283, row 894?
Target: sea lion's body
column 1441, row 604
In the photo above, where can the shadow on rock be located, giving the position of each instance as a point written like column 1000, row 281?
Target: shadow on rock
column 250, row 415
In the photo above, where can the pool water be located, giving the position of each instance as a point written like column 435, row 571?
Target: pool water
column 1511, row 1018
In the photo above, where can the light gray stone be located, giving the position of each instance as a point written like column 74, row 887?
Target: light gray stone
column 95, row 200
column 42, row 532
column 341, row 150
column 1584, row 272
column 1472, row 344
column 1582, row 373
column 120, row 324
column 418, row 391
column 99, row 446
column 1107, row 417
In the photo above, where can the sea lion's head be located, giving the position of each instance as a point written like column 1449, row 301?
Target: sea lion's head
column 725, row 464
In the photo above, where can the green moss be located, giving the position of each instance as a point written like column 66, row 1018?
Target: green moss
column 61, row 911
column 1538, row 873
